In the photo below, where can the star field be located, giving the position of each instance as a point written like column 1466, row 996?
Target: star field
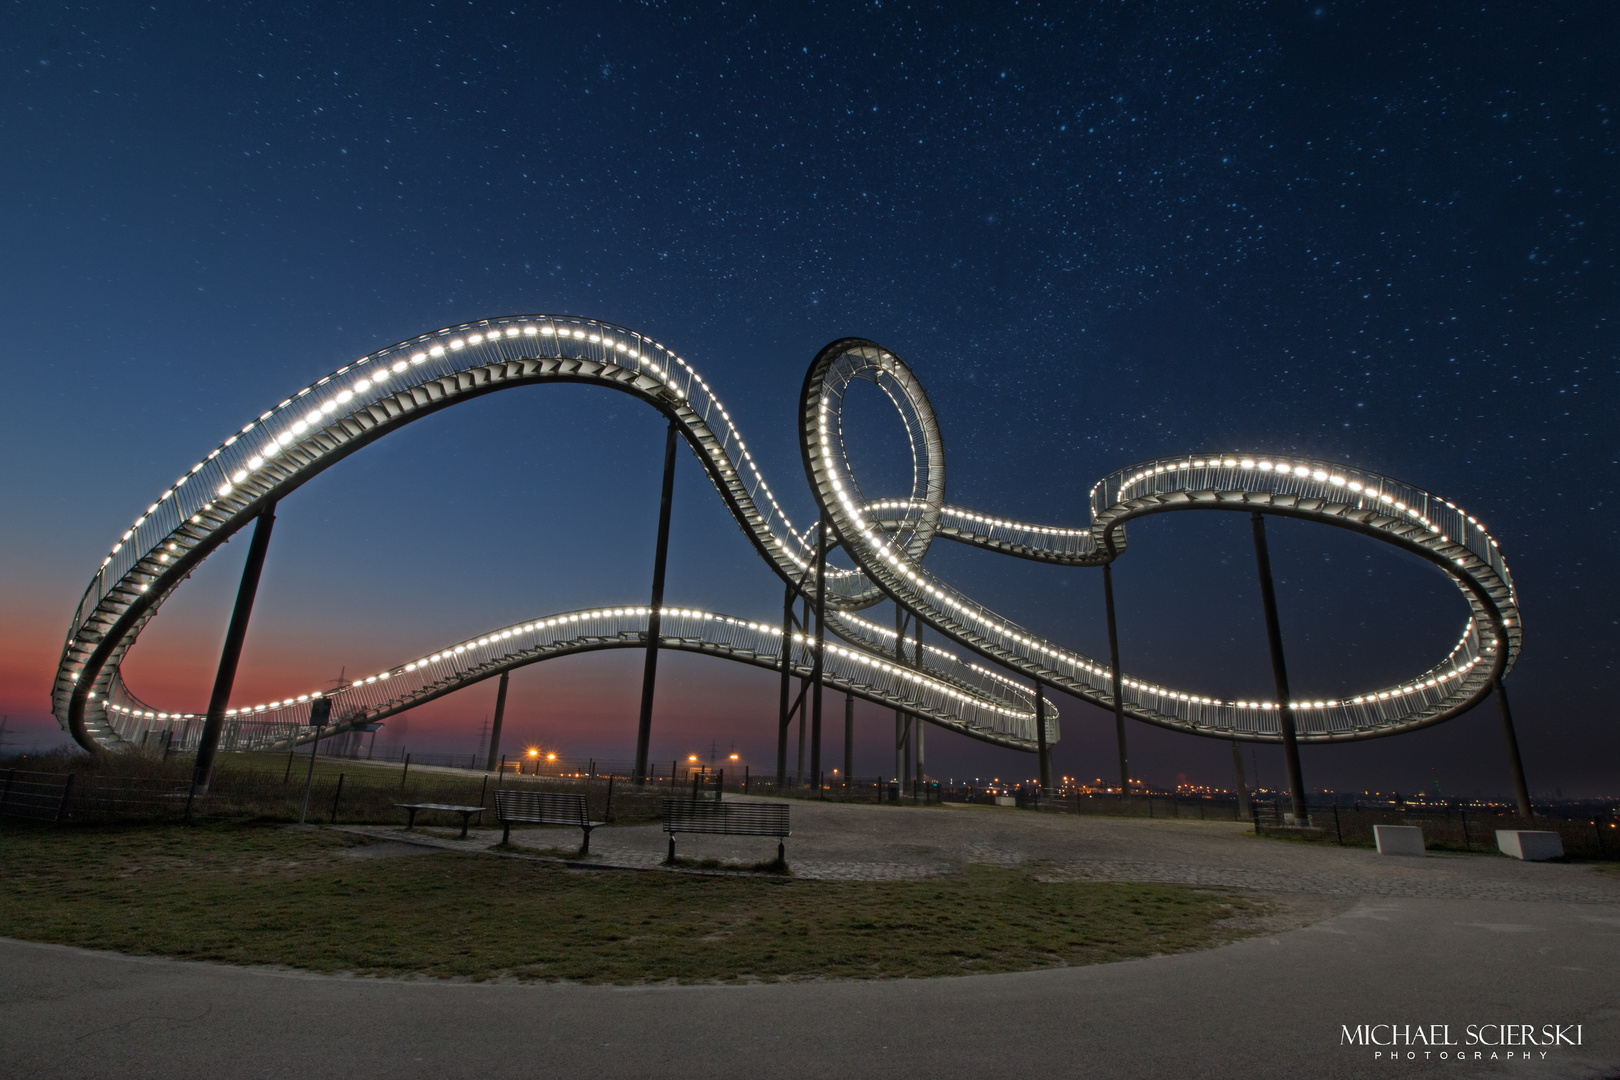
column 1099, row 234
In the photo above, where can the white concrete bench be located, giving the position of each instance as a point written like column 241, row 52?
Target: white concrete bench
column 1530, row 845
column 1399, row 839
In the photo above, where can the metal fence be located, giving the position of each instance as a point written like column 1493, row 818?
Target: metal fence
column 35, row 796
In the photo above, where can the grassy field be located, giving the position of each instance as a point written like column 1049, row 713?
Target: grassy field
column 323, row 901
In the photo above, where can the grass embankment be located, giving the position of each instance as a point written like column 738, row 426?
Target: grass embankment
column 262, row 894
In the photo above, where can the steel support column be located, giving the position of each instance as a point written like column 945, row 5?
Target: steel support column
column 649, row 673
column 849, row 737
column 495, row 728
column 1521, row 790
column 235, row 635
column 1279, row 669
column 1241, row 781
column 915, row 723
column 1045, row 750
column 818, row 666
column 899, row 716
column 1117, row 681
column 922, row 767
column 784, row 716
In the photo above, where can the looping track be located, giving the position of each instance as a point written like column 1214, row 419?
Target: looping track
column 885, row 538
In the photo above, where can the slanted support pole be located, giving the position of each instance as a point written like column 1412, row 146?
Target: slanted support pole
column 235, row 635
column 1279, row 669
column 649, row 673
column 1521, row 790
column 495, row 729
column 1117, row 680
column 1040, row 738
column 818, row 665
column 804, row 723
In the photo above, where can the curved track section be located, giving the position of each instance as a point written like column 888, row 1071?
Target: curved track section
column 883, row 535
column 311, row 430
column 948, row 691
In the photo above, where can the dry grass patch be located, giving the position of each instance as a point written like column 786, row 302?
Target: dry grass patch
column 260, row 894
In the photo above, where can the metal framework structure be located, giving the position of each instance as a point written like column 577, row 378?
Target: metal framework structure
column 884, row 541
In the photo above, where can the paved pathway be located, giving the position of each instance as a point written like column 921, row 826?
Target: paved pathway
column 864, row 842
column 1453, row 941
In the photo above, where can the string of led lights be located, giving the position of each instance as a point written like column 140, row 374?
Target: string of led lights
column 311, row 430
column 949, row 692
column 885, row 536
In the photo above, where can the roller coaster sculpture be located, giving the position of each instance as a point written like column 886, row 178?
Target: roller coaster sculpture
column 884, row 539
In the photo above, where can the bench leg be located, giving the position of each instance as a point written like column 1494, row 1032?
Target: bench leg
column 671, row 859
column 585, row 846
column 781, row 852
column 464, row 818
column 410, row 821
column 506, row 832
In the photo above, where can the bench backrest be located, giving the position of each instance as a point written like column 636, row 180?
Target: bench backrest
column 547, row 807
column 726, row 818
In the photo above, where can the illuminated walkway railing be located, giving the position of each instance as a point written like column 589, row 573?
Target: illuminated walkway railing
column 950, row 692
column 886, row 539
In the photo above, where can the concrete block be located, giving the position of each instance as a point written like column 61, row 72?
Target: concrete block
column 1399, row 839
column 1530, row 845
column 1006, row 800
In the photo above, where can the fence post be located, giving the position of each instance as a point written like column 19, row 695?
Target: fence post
column 1254, row 808
column 483, row 792
column 1336, row 830
column 1468, row 844
column 1597, row 831
column 61, row 807
column 719, row 784
column 338, row 795
column 405, row 773
column 745, row 779
column 607, row 811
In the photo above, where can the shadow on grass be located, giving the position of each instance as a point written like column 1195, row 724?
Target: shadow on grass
column 777, row 865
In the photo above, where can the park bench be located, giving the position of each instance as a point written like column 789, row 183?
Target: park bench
column 544, row 808
column 465, row 812
column 726, row 819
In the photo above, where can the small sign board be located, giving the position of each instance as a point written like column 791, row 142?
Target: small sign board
column 320, row 712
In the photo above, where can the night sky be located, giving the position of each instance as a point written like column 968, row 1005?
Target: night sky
column 1386, row 238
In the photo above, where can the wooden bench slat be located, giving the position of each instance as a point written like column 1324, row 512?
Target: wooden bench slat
column 691, row 815
column 466, row 812
column 544, row 808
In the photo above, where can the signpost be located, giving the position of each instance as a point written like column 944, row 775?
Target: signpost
column 319, row 714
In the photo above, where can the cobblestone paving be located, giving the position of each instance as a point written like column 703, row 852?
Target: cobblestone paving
column 834, row 842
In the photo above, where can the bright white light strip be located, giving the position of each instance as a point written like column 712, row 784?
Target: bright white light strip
column 289, row 437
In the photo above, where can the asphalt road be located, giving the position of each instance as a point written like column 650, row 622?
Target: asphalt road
column 1264, row 1007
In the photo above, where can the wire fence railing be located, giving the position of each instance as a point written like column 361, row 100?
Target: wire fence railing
column 271, row 786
